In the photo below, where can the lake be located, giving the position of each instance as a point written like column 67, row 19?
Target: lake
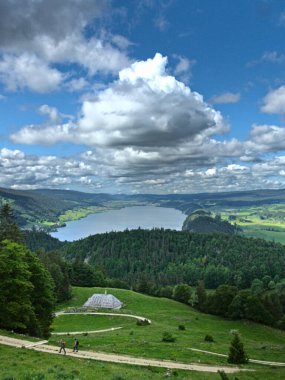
column 145, row 217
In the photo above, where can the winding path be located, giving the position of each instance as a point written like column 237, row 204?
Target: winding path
column 256, row 361
column 138, row 317
column 86, row 332
column 114, row 358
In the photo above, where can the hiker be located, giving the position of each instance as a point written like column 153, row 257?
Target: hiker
column 76, row 344
column 62, row 345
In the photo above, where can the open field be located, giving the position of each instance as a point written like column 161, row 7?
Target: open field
column 260, row 342
column 265, row 222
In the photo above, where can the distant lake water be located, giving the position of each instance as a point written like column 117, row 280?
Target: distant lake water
column 145, row 217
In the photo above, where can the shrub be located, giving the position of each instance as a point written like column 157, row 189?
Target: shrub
column 167, row 337
column 143, row 322
column 208, row 338
column 223, row 375
column 117, row 377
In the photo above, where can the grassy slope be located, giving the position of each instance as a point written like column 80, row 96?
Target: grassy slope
column 260, row 342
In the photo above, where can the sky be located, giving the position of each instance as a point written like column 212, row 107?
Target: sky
column 142, row 96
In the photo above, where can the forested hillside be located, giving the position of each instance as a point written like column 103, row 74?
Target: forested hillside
column 170, row 257
column 32, row 207
column 203, row 222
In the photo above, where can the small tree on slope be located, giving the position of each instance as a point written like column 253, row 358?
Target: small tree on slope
column 237, row 354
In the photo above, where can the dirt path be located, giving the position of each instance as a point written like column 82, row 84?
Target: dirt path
column 277, row 364
column 99, row 313
column 86, row 332
column 114, row 358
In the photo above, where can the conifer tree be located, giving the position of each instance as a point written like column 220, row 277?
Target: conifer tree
column 237, row 353
column 201, row 295
column 9, row 229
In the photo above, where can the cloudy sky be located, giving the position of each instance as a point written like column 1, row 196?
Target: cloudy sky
column 142, row 96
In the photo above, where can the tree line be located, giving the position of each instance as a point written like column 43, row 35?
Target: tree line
column 168, row 257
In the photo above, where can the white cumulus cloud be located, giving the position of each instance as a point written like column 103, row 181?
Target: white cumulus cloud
column 145, row 107
column 27, row 71
column 274, row 101
column 40, row 40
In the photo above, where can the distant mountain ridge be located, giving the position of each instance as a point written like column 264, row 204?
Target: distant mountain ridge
column 33, row 206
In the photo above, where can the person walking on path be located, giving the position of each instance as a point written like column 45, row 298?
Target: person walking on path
column 62, row 345
column 76, row 344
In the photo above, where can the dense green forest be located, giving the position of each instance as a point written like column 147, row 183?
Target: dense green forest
column 169, row 257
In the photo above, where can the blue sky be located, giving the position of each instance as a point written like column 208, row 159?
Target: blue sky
column 142, row 96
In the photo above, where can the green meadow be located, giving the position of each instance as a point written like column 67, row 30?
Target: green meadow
column 264, row 222
column 261, row 342
column 90, row 322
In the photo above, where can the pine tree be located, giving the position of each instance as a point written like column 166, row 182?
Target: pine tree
column 237, row 354
column 201, row 295
column 9, row 229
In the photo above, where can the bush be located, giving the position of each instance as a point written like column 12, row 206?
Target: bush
column 118, row 377
column 143, row 322
column 223, row 375
column 167, row 337
column 208, row 338
column 181, row 327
